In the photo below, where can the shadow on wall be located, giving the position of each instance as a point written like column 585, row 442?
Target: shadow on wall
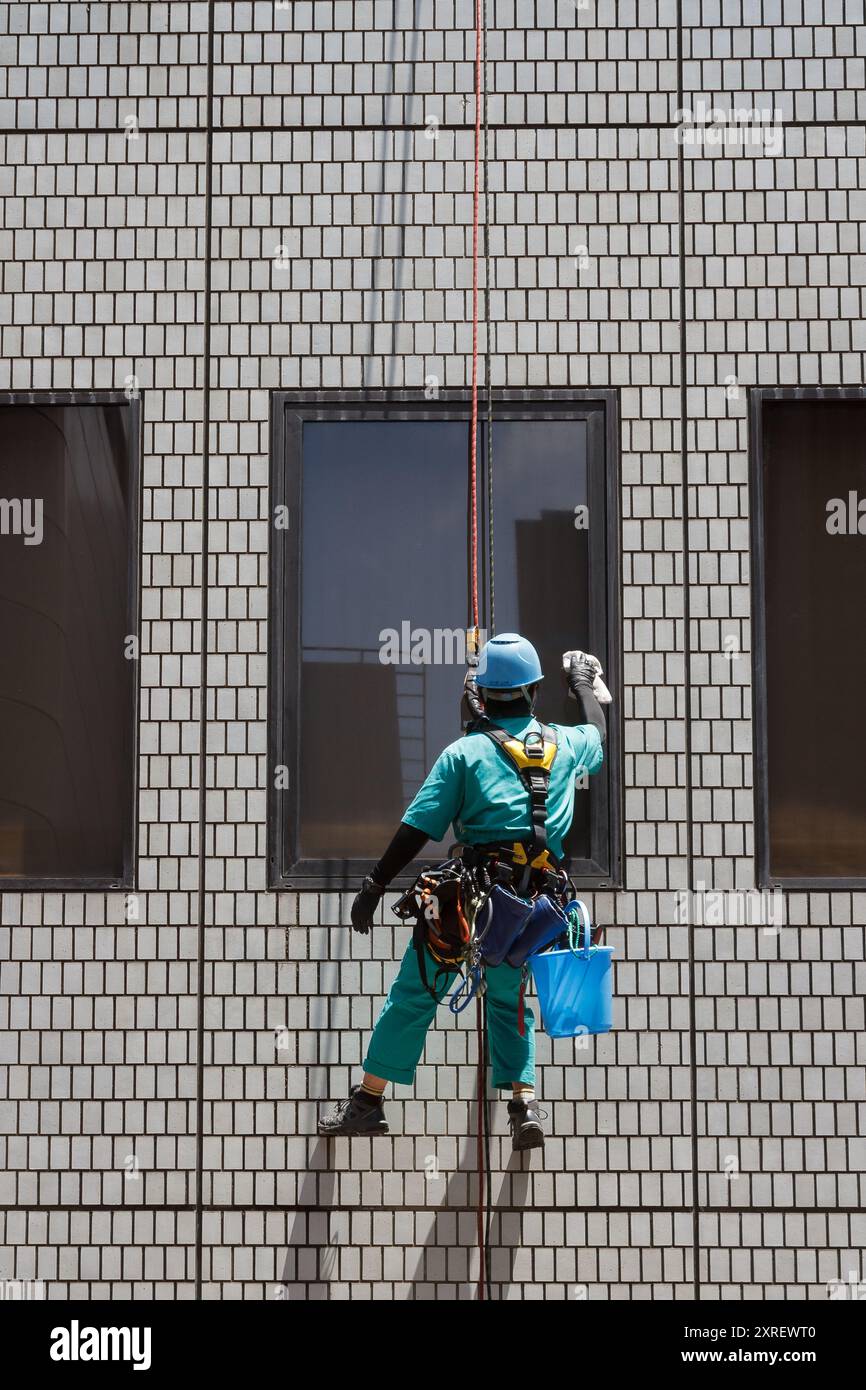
column 318, row 1236
column 432, row 1267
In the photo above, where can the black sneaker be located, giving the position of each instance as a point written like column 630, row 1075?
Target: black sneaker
column 355, row 1117
column 525, row 1118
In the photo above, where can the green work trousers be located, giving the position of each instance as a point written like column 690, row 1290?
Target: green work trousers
column 398, row 1037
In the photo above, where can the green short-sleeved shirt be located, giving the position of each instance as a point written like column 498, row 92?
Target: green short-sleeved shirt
column 475, row 787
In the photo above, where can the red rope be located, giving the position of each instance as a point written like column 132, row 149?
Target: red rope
column 480, row 1152
column 473, row 464
column 473, row 509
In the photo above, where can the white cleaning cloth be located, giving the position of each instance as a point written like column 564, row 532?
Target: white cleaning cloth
column 599, row 689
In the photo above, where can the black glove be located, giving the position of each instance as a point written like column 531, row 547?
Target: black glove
column 471, row 708
column 580, row 673
column 365, row 905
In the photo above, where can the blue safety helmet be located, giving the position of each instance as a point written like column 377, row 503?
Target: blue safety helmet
column 508, row 662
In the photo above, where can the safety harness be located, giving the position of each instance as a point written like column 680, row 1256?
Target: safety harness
column 444, row 900
column 533, row 757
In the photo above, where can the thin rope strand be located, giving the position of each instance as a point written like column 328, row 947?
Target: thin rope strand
column 473, row 474
column 473, row 462
column 487, row 346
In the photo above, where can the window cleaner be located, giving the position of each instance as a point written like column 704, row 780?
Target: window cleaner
column 510, row 830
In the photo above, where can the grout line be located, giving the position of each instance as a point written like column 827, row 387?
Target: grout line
column 510, row 1208
column 687, row 682
column 838, row 123
column 202, row 750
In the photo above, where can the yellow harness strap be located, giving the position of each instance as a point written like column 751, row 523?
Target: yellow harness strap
column 534, row 770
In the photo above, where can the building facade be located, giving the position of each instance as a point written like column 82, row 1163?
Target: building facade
column 166, row 1049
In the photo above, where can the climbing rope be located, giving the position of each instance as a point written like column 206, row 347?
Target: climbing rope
column 473, row 429
column 491, row 610
column 487, row 1165
column 482, row 1126
column 480, row 119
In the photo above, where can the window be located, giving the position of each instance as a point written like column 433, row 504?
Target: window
column 809, row 565
column 68, row 612
column 369, row 562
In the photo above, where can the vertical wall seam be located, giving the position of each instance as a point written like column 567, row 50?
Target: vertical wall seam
column 687, row 681
column 202, row 737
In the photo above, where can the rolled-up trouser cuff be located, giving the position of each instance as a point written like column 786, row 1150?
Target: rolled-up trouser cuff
column 386, row 1071
column 526, row 1078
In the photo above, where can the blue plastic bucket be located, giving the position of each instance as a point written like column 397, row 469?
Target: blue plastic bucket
column 575, row 985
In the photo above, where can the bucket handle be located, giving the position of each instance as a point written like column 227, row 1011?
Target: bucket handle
column 579, row 909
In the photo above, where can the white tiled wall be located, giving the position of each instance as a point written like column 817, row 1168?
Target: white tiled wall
column 321, row 145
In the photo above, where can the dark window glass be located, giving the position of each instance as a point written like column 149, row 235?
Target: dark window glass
column 380, row 551
column 542, row 563
column 813, row 479
column 373, row 658
column 66, row 685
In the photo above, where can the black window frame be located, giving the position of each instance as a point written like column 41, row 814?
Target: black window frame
column 290, row 410
column 128, row 879
column 758, row 396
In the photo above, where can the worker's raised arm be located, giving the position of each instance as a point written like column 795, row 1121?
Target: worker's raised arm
column 580, row 675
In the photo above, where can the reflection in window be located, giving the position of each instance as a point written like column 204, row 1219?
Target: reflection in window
column 66, row 687
column 814, row 555
column 381, row 551
column 382, row 572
